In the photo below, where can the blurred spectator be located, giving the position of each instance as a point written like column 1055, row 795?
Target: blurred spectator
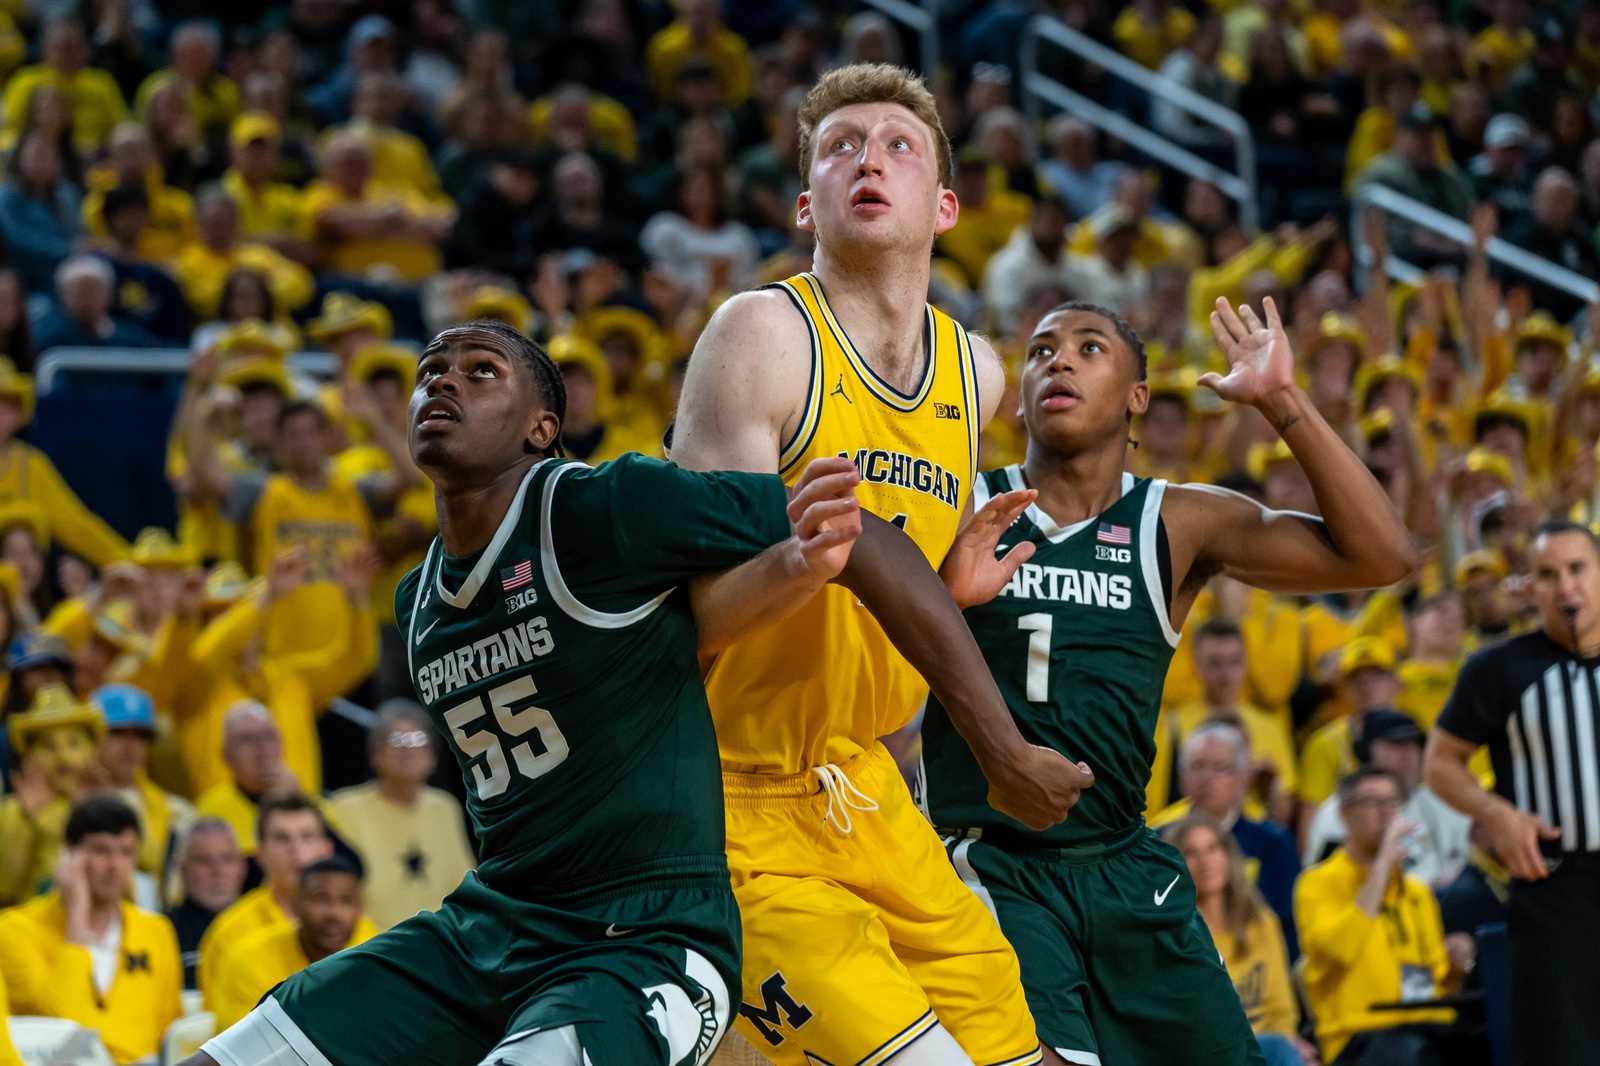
column 594, row 437
column 576, row 217
column 16, row 335
column 1500, row 174
column 55, row 742
column 268, row 91
column 1147, row 31
column 327, row 918
column 363, row 227
column 986, row 220
column 130, row 720
column 1366, row 675
column 1535, row 87
column 487, row 74
column 698, row 33
column 211, row 871
column 433, row 62
column 81, row 315
column 212, row 99
column 1201, row 66
column 571, row 118
column 1436, row 849
column 39, row 211
column 252, row 751
column 495, row 228
column 769, row 182
column 698, row 244
column 83, row 952
column 182, row 153
column 202, row 267
column 410, row 837
column 145, row 294
column 1109, row 275
column 1035, row 255
column 1075, row 172
column 118, row 46
column 1372, row 935
column 49, row 113
column 1413, row 168
column 1438, row 634
column 97, row 103
column 269, row 210
column 1399, row 91
column 130, row 160
column 373, row 44
column 1247, row 935
column 489, row 125
column 399, row 160
column 1553, row 232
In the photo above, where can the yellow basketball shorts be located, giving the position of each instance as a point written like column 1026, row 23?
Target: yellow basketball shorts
column 859, row 936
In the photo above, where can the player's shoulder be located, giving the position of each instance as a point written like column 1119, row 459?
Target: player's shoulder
column 766, row 325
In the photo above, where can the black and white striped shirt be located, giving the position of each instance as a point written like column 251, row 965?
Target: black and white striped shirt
column 1537, row 707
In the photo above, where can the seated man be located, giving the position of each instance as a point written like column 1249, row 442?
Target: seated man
column 293, row 836
column 56, row 742
column 145, row 293
column 202, row 267
column 1437, row 850
column 252, row 748
column 1214, row 774
column 411, row 838
column 211, row 870
column 83, row 952
column 269, row 210
column 130, row 717
column 1371, row 934
column 81, row 317
column 327, row 918
column 131, row 160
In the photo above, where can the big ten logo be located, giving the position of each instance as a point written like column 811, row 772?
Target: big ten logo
column 1112, row 555
column 947, row 410
column 778, row 1011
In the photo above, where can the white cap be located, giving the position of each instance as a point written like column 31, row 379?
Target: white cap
column 1503, row 131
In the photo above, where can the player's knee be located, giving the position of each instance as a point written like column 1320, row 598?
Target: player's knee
column 936, row 1047
column 548, row 1047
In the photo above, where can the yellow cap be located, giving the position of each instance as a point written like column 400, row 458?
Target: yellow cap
column 225, row 584
column 17, row 386
column 602, row 322
column 15, row 513
column 53, row 707
column 568, row 349
column 1336, row 326
column 499, row 305
column 1487, row 461
column 344, row 312
column 1475, row 563
column 253, row 337
column 376, row 358
column 1502, row 403
column 253, row 126
column 1179, row 384
column 1384, row 368
column 1263, row 457
column 1542, row 326
column 154, row 547
column 1375, row 424
column 1364, row 652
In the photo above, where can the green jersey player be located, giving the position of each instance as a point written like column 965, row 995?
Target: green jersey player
column 1117, row 964
column 546, row 641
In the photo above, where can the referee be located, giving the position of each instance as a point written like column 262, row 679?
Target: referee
column 1533, row 700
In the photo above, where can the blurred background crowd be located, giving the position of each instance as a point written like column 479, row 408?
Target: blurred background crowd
column 195, row 195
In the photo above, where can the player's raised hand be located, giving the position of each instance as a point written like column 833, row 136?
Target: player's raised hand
column 1038, row 786
column 970, row 571
column 825, row 516
column 1260, row 361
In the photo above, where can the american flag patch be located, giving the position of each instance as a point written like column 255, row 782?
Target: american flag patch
column 514, row 577
column 1110, row 534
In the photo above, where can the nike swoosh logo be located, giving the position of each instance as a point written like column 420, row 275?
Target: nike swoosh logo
column 1161, row 897
column 425, row 632
column 612, row 930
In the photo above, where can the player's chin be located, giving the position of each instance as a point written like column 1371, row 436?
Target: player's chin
column 431, row 451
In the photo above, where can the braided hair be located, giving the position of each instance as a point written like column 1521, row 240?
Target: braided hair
column 515, row 345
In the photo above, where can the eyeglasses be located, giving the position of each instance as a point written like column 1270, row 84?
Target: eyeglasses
column 414, row 738
column 1200, row 766
column 1364, row 802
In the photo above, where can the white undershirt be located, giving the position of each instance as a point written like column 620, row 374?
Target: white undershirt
column 106, row 953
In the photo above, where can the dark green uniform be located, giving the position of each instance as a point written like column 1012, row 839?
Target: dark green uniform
column 1117, row 964
column 560, row 666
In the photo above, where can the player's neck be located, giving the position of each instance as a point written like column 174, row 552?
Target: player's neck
column 1076, row 487
column 469, row 515
column 881, row 304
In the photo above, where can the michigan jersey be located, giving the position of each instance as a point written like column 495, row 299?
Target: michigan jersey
column 823, row 684
column 1078, row 642
column 560, row 667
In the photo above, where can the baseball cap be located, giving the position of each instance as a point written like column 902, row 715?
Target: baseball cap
column 125, row 707
column 1385, row 723
column 1419, row 116
column 1364, row 652
column 370, row 28
column 38, row 649
column 1474, row 563
column 1506, row 130
column 253, row 126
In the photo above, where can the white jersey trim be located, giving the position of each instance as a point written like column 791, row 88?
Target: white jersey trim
column 559, row 591
column 1148, row 523
column 1053, row 533
column 463, row 597
column 969, row 876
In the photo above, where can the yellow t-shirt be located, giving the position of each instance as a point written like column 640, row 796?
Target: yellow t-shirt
column 1329, row 754
column 213, row 106
column 1353, row 961
column 45, row 975
column 414, row 856
column 273, row 213
column 1151, row 42
column 415, row 504
column 170, row 226
column 610, row 125
column 399, row 160
column 330, row 522
column 726, row 52
column 1259, row 969
column 26, row 474
column 200, row 273
column 1273, row 643
column 412, row 260
column 263, row 960
column 8, row 1051
column 97, row 104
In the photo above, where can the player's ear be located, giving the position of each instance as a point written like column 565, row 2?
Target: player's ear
column 802, row 213
column 1139, row 398
column 949, row 210
column 543, row 426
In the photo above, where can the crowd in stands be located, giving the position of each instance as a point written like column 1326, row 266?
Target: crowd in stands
column 259, row 178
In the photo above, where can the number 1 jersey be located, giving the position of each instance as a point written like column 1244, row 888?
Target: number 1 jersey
column 1079, row 643
column 559, row 664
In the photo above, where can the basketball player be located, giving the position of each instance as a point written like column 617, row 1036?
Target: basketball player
column 600, row 928
column 1118, row 965
column 861, row 945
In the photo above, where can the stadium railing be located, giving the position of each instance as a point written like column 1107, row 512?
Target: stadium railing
column 1387, row 200
column 921, row 18
column 1039, row 89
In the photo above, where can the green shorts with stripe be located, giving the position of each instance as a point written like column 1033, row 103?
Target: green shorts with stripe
column 1117, row 964
column 642, row 970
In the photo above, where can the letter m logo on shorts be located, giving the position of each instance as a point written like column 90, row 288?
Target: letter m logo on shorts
column 778, row 1010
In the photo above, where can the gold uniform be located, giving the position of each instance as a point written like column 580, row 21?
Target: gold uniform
column 858, row 934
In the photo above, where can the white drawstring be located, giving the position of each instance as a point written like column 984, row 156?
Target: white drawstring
column 839, row 789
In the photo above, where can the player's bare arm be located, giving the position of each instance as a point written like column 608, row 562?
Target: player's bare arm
column 1358, row 542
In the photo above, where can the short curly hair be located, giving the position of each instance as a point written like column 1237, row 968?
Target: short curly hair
column 870, row 83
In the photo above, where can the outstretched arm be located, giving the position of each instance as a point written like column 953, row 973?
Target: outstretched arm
column 1358, row 542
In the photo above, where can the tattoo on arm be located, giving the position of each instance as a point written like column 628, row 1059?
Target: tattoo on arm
column 1288, row 420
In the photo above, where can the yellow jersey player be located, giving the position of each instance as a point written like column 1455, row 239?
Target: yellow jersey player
column 861, row 945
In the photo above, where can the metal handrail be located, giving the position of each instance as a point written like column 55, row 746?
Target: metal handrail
column 923, row 18
column 1431, row 218
column 150, row 361
column 1239, row 185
